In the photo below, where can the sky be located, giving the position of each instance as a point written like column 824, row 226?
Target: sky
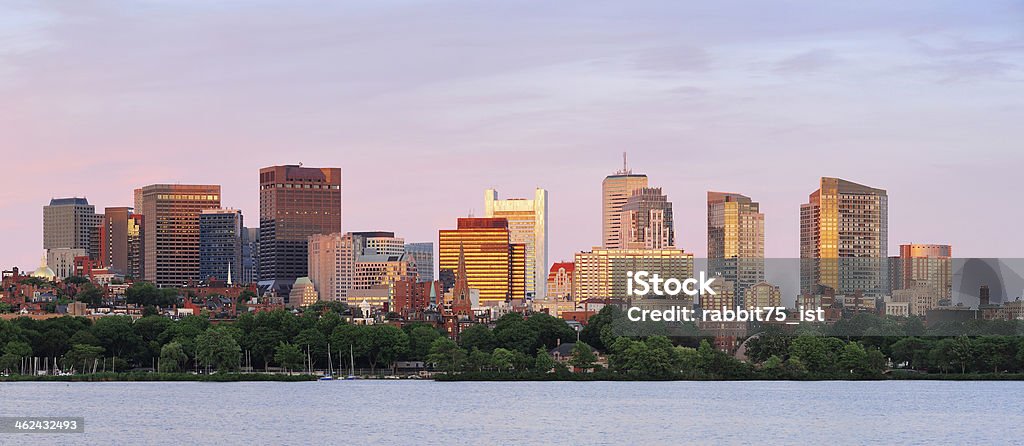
column 426, row 104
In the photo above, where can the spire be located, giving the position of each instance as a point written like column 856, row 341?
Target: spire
column 462, row 262
column 229, row 273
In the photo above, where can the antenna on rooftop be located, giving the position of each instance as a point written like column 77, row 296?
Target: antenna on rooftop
column 625, row 166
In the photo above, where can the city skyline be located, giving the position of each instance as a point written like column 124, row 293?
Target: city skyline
column 760, row 104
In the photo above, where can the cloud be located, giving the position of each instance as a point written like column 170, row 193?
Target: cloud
column 674, row 59
column 807, row 62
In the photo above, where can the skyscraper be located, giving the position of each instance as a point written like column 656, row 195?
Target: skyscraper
column 615, row 191
column 646, row 220
column 423, row 254
column 735, row 240
column 220, row 245
column 843, row 239
column 250, row 255
column 493, row 264
column 528, row 225
column 122, row 241
column 69, row 231
column 295, row 203
column 171, row 230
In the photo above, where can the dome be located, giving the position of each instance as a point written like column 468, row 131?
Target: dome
column 44, row 272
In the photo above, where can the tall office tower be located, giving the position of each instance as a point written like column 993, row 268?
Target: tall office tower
column 920, row 265
column 615, row 191
column 335, row 261
column 423, row 254
column 735, row 240
column 528, row 224
column 250, row 255
column 601, row 273
column 170, row 234
column 646, row 220
column 560, row 280
column 295, row 203
column 843, row 240
column 121, row 237
column 220, row 245
column 494, row 265
column 69, row 231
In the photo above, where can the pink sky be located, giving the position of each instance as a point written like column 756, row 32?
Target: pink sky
column 426, row 104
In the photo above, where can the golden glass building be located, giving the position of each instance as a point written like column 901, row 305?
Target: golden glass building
column 735, row 240
column 601, row 273
column 528, row 225
column 843, row 239
column 494, row 265
column 615, row 191
column 923, row 265
column 171, row 230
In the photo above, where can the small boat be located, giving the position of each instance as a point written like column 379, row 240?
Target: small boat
column 325, row 378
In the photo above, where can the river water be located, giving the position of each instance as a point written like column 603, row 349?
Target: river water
column 426, row 412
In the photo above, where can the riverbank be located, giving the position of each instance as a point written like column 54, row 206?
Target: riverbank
column 150, row 376
column 606, row 376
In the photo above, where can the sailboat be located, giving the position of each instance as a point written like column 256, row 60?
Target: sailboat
column 352, row 364
column 330, row 366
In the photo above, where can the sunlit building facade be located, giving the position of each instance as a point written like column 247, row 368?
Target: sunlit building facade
column 121, row 247
column 615, row 191
column 560, row 280
column 843, row 240
column 171, row 230
column 494, row 265
column 601, row 273
column 928, row 265
column 735, row 240
column 528, row 225
column 762, row 295
column 70, row 229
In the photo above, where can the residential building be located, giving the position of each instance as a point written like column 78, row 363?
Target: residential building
column 340, row 263
column 560, row 280
column 762, row 295
column 844, row 239
column 170, row 230
column 923, row 264
column 601, row 273
column 295, row 203
column 735, row 240
column 528, row 226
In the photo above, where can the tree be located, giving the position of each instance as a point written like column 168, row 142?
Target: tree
column 513, row 333
column 384, row 344
column 478, row 336
column 854, row 358
column 912, row 351
column 591, row 334
column 216, row 348
column 116, row 335
column 550, row 331
column 289, row 356
column 962, row 352
column 420, row 340
column 172, row 358
column 83, row 356
column 478, row 360
column 19, row 349
column 813, row 353
column 90, row 294
column 583, row 357
column 543, row 362
column 446, row 355
column 502, row 359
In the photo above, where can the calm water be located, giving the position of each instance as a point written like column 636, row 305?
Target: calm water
column 418, row 412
